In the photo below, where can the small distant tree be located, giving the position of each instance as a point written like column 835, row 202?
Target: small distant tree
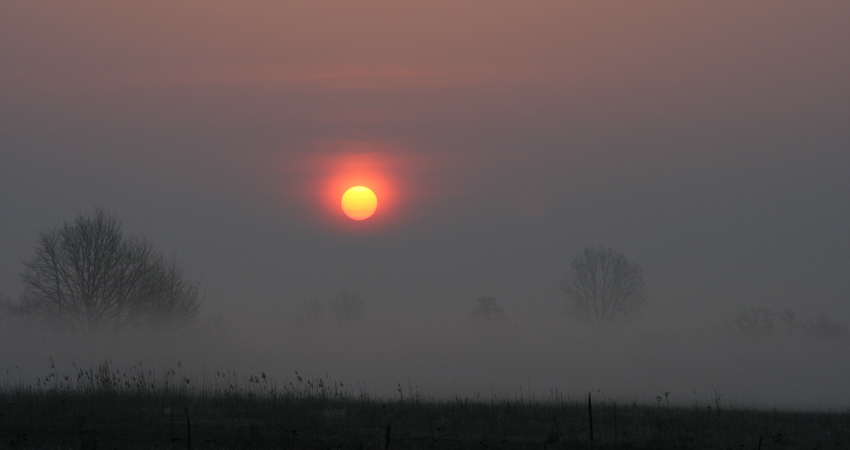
column 347, row 307
column 88, row 278
column 487, row 310
column 603, row 286
column 761, row 321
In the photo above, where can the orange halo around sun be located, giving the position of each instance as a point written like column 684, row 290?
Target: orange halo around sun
column 359, row 202
column 357, row 164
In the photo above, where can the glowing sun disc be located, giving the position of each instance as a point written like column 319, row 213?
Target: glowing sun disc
column 359, row 203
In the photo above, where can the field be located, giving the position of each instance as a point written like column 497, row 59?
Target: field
column 103, row 408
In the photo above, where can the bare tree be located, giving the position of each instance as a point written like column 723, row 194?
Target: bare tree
column 603, row 286
column 87, row 277
column 488, row 310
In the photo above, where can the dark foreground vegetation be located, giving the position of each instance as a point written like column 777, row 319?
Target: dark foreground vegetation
column 103, row 408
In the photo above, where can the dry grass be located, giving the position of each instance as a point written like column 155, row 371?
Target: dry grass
column 140, row 408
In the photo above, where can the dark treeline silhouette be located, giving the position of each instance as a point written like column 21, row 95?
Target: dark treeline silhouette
column 764, row 321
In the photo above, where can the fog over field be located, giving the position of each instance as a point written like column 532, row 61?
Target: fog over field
column 532, row 358
column 707, row 143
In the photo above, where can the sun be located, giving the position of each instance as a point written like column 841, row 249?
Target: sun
column 359, row 202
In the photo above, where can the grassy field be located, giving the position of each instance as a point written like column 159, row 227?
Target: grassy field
column 103, row 408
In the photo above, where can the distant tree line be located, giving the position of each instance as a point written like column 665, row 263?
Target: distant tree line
column 345, row 307
column 87, row 277
column 763, row 321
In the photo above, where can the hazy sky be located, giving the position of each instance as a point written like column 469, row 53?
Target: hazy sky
column 709, row 142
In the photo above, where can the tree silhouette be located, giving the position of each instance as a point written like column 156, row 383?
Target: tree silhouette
column 488, row 310
column 88, row 278
column 603, row 286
